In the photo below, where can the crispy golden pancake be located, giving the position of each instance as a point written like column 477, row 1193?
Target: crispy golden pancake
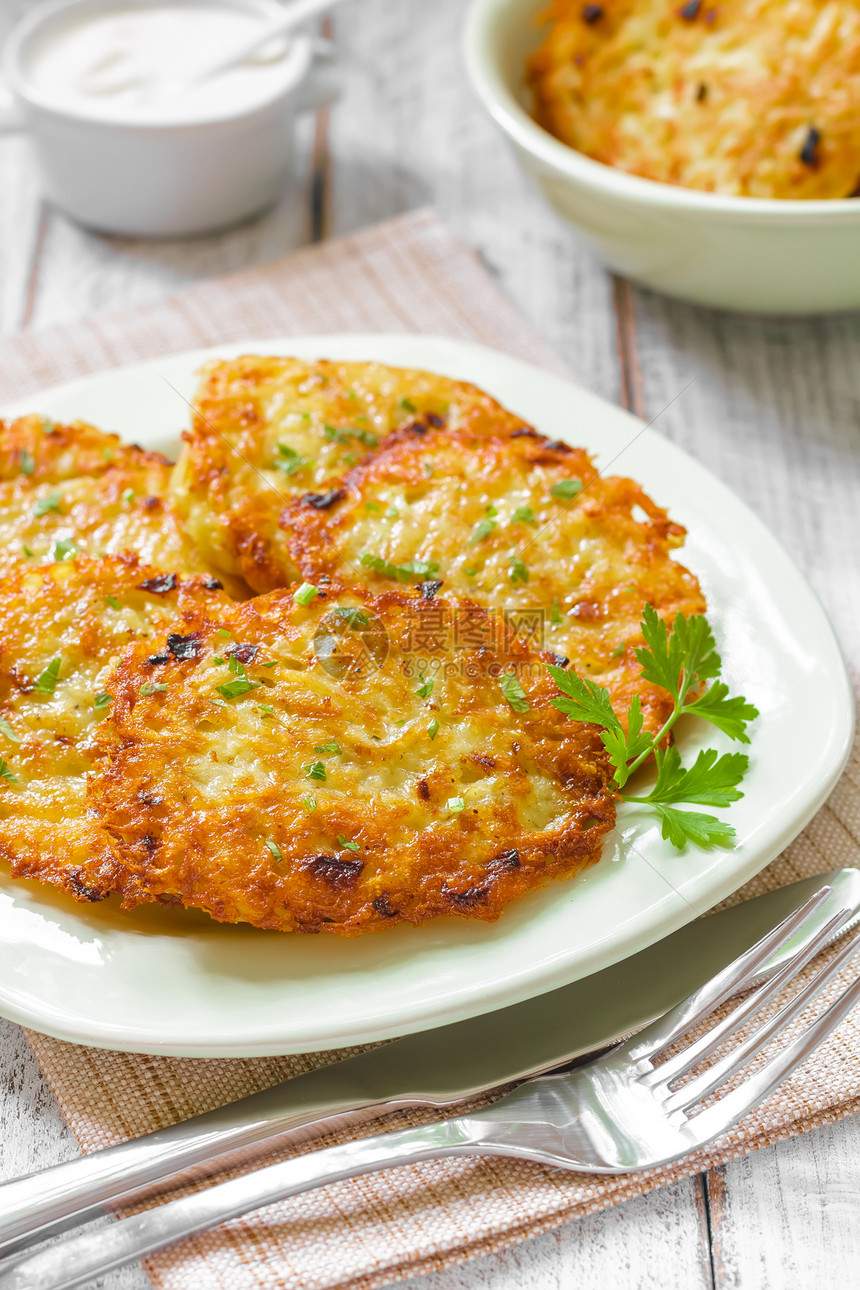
column 71, row 488
column 62, row 628
column 292, row 767
column 268, row 430
column 755, row 98
column 524, row 525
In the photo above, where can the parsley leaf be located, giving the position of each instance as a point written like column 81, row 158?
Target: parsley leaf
column 681, row 827
column 731, row 715
column 425, row 689
column 514, row 692
column 333, row 748
column 433, row 729
column 7, row 773
column 46, row 682
column 315, row 770
column 6, row 729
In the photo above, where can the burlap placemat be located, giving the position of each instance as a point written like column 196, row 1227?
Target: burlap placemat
column 407, row 275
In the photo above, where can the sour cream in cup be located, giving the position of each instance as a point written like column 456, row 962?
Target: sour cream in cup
column 130, row 140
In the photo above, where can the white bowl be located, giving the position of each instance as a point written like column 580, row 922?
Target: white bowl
column 183, row 175
column 757, row 254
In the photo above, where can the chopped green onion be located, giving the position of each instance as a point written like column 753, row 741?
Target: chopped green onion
column 433, row 729
column 514, row 692
column 391, row 513
column 373, row 507
column 566, row 488
column 62, row 550
column 49, row 503
column 305, row 594
column 28, row 464
column 403, row 572
column 233, row 689
column 350, row 846
column 491, row 510
column 6, row 729
column 47, row 425
column 152, row 688
column 555, row 617
column 523, row 515
column 112, row 602
column 470, row 573
column 275, row 850
column 309, row 803
column 218, row 661
column 482, row 529
column 266, row 709
column 289, row 460
column 315, row 770
column 222, row 631
column 456, row 805
column 425, row 689
column 337, row 434
column 332, row 747
column 519, row 572
column 618, row 651
column 46, row 682
column 6, row 773
column 128, row 495
column 352, row 617
column 102, row 700
column 30, row 554
column 407, row 405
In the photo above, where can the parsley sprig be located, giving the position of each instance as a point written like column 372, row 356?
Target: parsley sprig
column 685, row 662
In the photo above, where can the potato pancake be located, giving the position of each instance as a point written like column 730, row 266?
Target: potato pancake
column 70, row 488
column 343, row 765
column 62, row 628
column 755, row 98
column 522, row 524
column 267, row 430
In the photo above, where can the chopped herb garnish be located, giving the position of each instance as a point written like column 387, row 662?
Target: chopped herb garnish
column 46, row 682
column 523, row 515
column 470, row 573
column 49, row 503
column 407, row 405
column 519, row 572
column 514, row 692
column 47, row 425
column 107, row 453
column 153, row 688
column 391, row 513
column 6, row 772
column 128, row 495
column 433, row 728
column 428, row 469
column 30, row 554
column 456, row 805
column 482, row 529
column 343, row 434
column 222, row 631
column 555, row 617
column 112, row 602
column 305, row 594
column 333, row 748
column 350, row 458
column 275, row 850
column 102, row 700
column 350, row 846
column 272, row 662
column 352, row 617
column 218, row 661
column 374, row 507
column 309, row 803
column 682, row 661
column 425, row 689
column 315, row 770
column 491, row 510
column 28, row 463
column 618, row 651
column 265, row 709
column 404, row 572
column 6, row 729
column 290, row 465
column 566, row 488
column 62, row 550
column 233, row 689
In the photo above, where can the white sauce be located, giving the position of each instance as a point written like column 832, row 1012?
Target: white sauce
column 134, row 64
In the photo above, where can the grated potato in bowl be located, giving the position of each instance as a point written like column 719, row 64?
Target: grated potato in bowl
column 757, row 99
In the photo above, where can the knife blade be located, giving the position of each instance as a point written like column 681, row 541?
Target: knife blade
column 433, row 1068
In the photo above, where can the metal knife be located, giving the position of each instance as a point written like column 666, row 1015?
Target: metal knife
column 434, row 1068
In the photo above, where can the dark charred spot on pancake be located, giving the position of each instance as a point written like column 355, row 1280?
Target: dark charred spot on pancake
column 415, row 427
column 422, row 788
column 63, row 739
column 592, row 13
column 465, row 899
column 489, row 763
column 322, row 501
column 84, row 892
column 151, row 503
column 383, row 906
column 160, row 585
column 149, row 843
column 809, row 152
column 184, row 647
column 435, row 421
column 557, row 445
column 505, row 860
column 169, row 898
column 689, row 12
column 560, row 660
column 149, row 799
column 212, row 584
column 156, row 660
column 525, row 432
column 243, row 653
column 335, row 870
column 428, row 589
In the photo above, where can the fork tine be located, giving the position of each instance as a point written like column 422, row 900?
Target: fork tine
column 696, row 1089
column 735, row 1105
column 689, row 1057
column 654, row 1038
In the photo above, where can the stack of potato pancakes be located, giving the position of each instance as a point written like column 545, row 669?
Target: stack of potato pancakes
column 299, row 679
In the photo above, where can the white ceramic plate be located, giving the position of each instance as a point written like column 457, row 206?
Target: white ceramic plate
column 163, row 981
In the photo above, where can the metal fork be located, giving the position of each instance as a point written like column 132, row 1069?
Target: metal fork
column 626, row 1111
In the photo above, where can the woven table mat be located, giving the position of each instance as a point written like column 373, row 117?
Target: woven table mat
column 405, row 275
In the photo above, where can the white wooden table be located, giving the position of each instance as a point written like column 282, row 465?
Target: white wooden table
column 407, row 133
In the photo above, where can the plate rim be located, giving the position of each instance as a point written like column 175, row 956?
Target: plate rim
column 834, row 757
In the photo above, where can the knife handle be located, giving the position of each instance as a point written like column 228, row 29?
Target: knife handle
column 52, row 1200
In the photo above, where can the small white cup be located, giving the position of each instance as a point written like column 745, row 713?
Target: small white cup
column 165, row 178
